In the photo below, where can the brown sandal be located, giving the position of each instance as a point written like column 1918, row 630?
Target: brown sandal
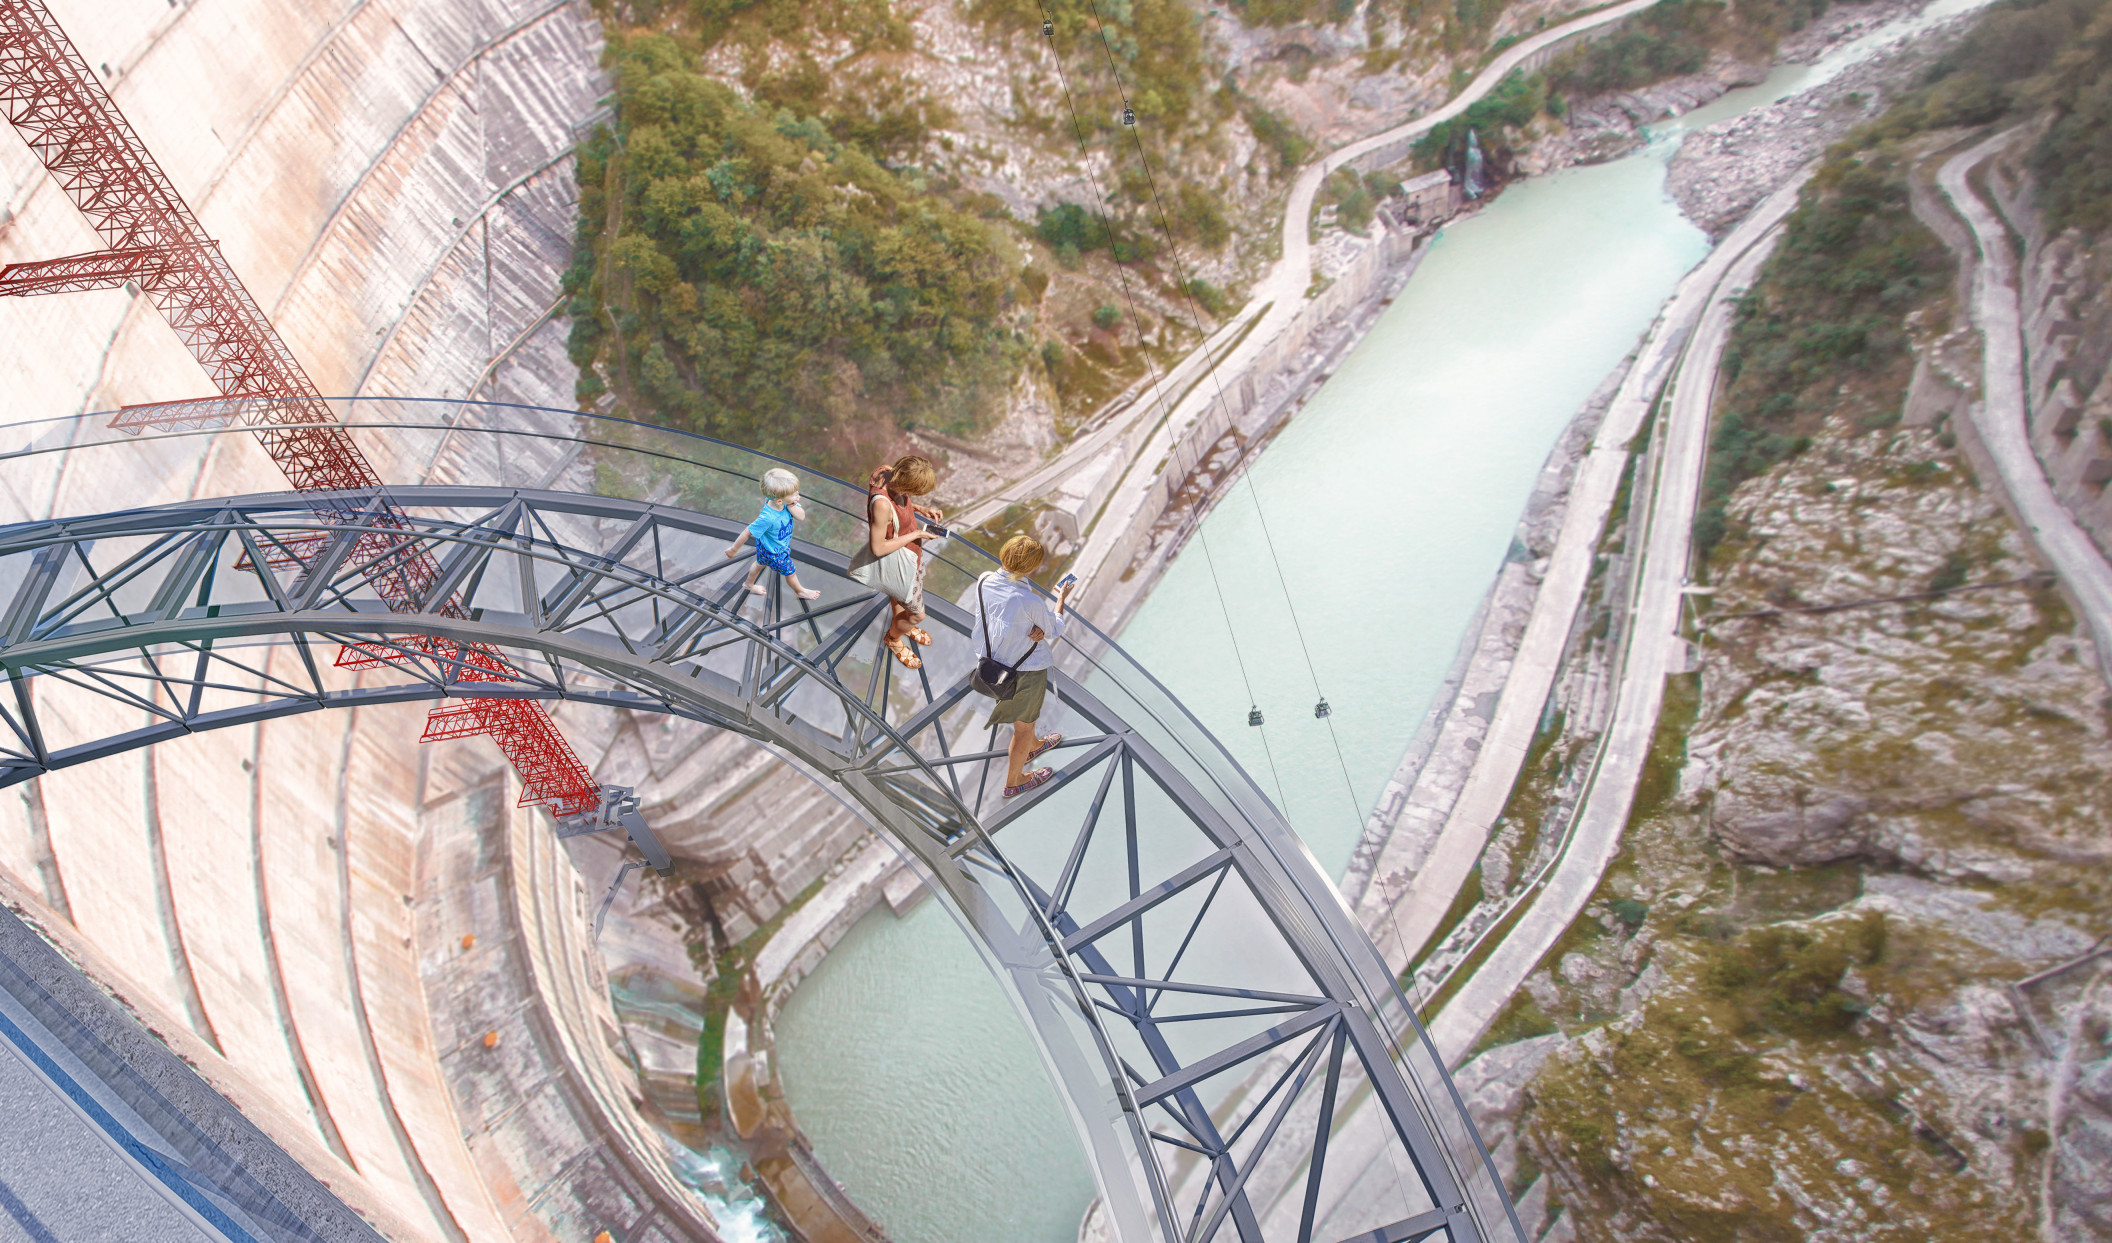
column 1028, row 781
column 909, row 659
column 918, row 635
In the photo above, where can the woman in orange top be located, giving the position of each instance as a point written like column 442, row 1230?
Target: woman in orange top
column 891, row 518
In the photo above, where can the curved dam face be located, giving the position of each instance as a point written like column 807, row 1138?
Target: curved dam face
column 361, row 942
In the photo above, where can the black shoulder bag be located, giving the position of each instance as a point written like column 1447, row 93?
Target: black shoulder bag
column 998, row 681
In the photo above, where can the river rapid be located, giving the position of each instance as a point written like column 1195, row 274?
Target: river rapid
column 1390, row 500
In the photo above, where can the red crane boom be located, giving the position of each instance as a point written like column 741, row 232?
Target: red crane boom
column 154, row 241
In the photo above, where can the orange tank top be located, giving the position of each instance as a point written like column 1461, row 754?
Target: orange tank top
column 904, row 519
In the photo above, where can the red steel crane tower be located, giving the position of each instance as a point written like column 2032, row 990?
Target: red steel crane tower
column 153, row 240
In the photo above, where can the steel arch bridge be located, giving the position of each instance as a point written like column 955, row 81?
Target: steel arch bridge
column 1213, row 1016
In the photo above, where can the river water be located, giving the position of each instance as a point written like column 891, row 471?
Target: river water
column 1391, row 499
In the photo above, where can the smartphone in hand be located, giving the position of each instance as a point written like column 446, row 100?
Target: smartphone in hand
column 1065, row 583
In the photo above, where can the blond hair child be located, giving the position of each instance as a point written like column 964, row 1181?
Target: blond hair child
column 772, row 530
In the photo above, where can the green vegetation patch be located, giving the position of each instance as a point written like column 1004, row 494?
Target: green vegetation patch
column 1356, row 198
column 1671, row 39
column 1822, row 333
column 1787, row 978
column 859, row 98
column 731, row 967
column 748, row 275
column 1659, row 781
column 1279, row 136
column 1712, row 1113
column 2023, row 55
column 764, row 277
column 2073, row 159
column 1520, row 1019
column 1294, row 12
column 1676, row 38
column 1073, row 231
column 1497, row 118
column 1156, row 47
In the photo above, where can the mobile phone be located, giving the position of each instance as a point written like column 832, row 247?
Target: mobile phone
column 1068, row 580
column 937, row 531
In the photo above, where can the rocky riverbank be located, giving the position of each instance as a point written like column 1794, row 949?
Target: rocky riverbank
column 1430, row 776
column 1606, row 127
column 1722, row 171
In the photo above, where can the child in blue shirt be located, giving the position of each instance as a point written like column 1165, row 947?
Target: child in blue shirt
column 772, row 530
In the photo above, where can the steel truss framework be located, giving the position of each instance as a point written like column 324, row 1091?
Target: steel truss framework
column 1203, row 999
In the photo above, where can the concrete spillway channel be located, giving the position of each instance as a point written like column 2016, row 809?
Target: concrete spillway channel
column 359, row 941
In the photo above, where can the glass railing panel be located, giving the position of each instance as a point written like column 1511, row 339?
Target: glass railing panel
column 1050, row 1004
column 1446, row 1116
column 1370, row 1181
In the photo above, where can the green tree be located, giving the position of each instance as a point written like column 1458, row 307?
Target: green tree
column 1496, row 117
column 1662, row 42
column 2073, row 159
column 1821, row 333
column 1156, row 46
column 746, row 273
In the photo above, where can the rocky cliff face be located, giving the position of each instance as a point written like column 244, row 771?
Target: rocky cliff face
column 1805, row 1004
column 1963, row 736
column 2068, row 340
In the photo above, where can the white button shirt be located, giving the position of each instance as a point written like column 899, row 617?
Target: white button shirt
column 1014, row 609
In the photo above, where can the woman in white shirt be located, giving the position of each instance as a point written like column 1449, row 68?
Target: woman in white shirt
column 1022, row 628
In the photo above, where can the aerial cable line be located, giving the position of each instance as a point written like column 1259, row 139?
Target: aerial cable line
column 1321, row 709
column 1129, row 118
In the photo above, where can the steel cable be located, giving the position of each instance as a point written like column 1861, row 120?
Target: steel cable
column 1136, row 321
column 1186, row 289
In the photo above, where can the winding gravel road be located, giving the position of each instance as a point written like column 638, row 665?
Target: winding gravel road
column 2000, row 415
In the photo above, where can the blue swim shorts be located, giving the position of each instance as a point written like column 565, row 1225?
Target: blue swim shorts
column 781, row 561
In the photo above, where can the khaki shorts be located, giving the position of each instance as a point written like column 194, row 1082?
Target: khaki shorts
column 1025, row 704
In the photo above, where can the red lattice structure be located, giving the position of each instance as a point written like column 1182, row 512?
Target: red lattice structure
column 154, row 243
